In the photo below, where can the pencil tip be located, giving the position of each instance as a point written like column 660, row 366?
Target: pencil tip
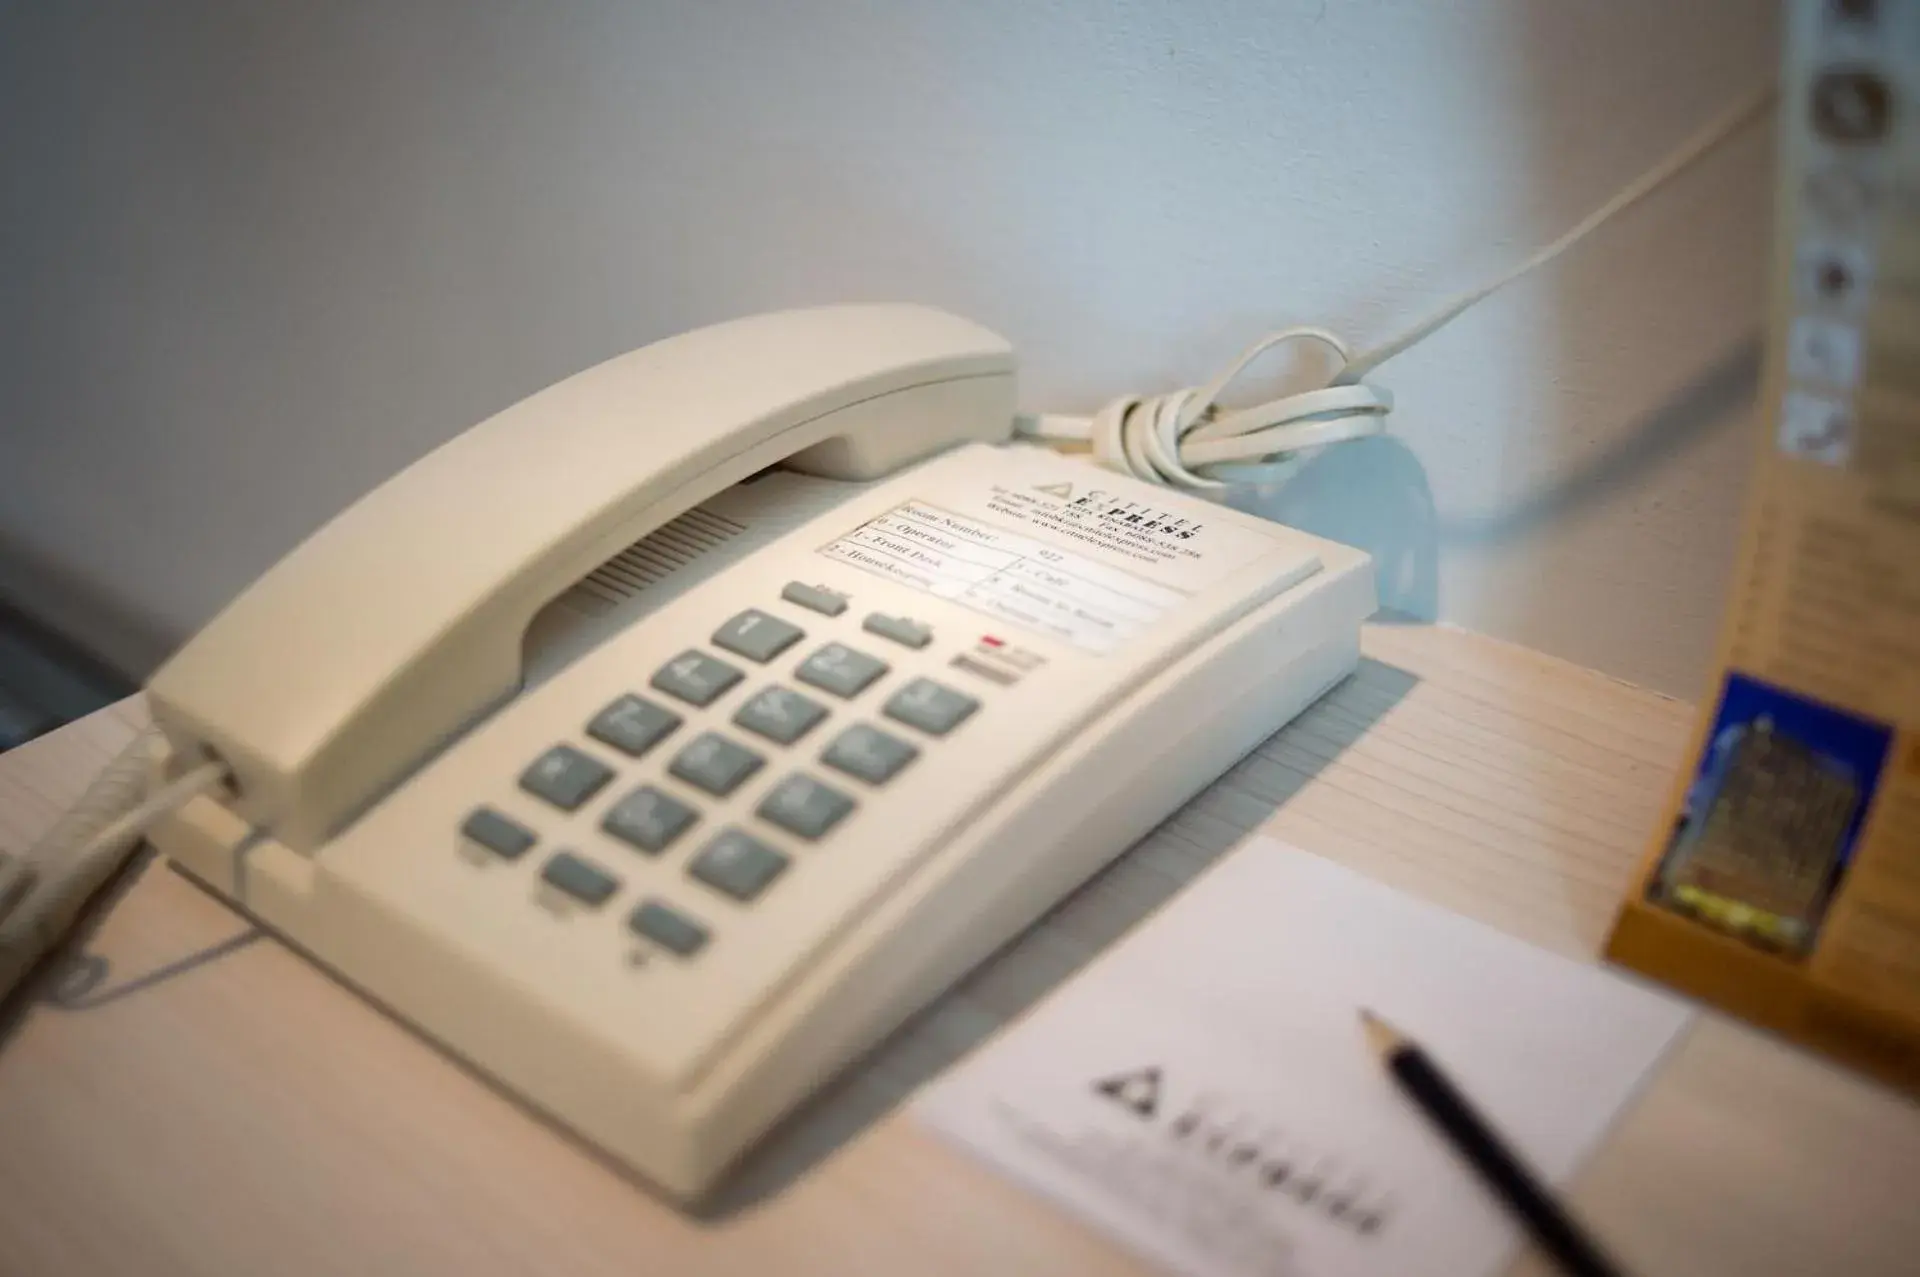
column 1381, row 1036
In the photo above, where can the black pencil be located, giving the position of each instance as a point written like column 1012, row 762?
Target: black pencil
column 1473, row 1138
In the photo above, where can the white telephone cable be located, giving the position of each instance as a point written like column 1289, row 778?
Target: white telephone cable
column 1188, row 439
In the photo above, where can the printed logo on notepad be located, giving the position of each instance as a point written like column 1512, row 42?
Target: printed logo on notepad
column 1230, row 1139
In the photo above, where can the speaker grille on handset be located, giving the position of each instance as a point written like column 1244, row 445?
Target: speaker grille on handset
column 672, row 545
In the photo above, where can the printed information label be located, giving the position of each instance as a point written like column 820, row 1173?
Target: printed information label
column 1189, row 552
column 1003, row 574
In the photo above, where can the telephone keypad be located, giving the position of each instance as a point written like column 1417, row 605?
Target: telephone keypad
column 803, row 806
column 648, row 819
column 932, row 707
column 503, row 837
column 633, row 725
column 841, row 670
column 780, row 715
column 869, row 754
column 757, row 636
column 737, row 864
column 653, row 818
column 582, row 879
column 565, row 777
column 668, row 927
column 696, row 678
column 715, row 764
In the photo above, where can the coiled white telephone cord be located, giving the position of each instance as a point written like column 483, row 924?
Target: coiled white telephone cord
column 42, row 889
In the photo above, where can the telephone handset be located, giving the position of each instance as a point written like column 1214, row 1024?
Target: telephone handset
column 857, row 690
column 402, row 619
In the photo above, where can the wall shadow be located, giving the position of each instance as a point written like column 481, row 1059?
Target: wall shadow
column 1066, row 939
column 104, row 632
column 1717, row 396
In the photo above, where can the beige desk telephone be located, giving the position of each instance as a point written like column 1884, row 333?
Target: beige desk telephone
column 659, row 744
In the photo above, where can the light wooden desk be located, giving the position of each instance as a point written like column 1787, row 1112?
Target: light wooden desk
column 184, row 1096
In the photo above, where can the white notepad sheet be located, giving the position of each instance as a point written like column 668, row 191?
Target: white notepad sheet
column 1203, row 1093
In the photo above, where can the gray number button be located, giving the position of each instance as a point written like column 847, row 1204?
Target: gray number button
column 648, row 819
column 632, row 725
column 900, row 629
column 497, row 834
column 801, row 805
column 868, row 753
column 813, row 598
column 780, row 715
column 565, row 777
column 668, row 928
column 931, row 707
column 582, row 879
column 715, row 764
column 757, row 636
column 696, row 678
column 839, row 669
column 737, row 865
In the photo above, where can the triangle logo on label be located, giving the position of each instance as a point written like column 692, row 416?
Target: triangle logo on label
column 1061, row 490
column 1138, row 1090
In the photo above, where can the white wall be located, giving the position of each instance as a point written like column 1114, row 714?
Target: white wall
column 253, row 258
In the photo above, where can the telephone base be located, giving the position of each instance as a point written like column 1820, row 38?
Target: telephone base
column 1169, row 660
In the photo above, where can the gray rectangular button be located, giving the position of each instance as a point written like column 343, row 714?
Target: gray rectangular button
column 801, row 805
column 780, row 715
column 898, row 628
column 565, row 777
column 668, row 928
column 496, row 833
column 868, row 753
column 839, row 669
column 696, row 678
column 930, row 706
column 582, row 879
column 738, row 865
column 1006, row 678
column 757, row 636
column 715, row 764
column 813, row 598
column 648, row 819
column 633, row 725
